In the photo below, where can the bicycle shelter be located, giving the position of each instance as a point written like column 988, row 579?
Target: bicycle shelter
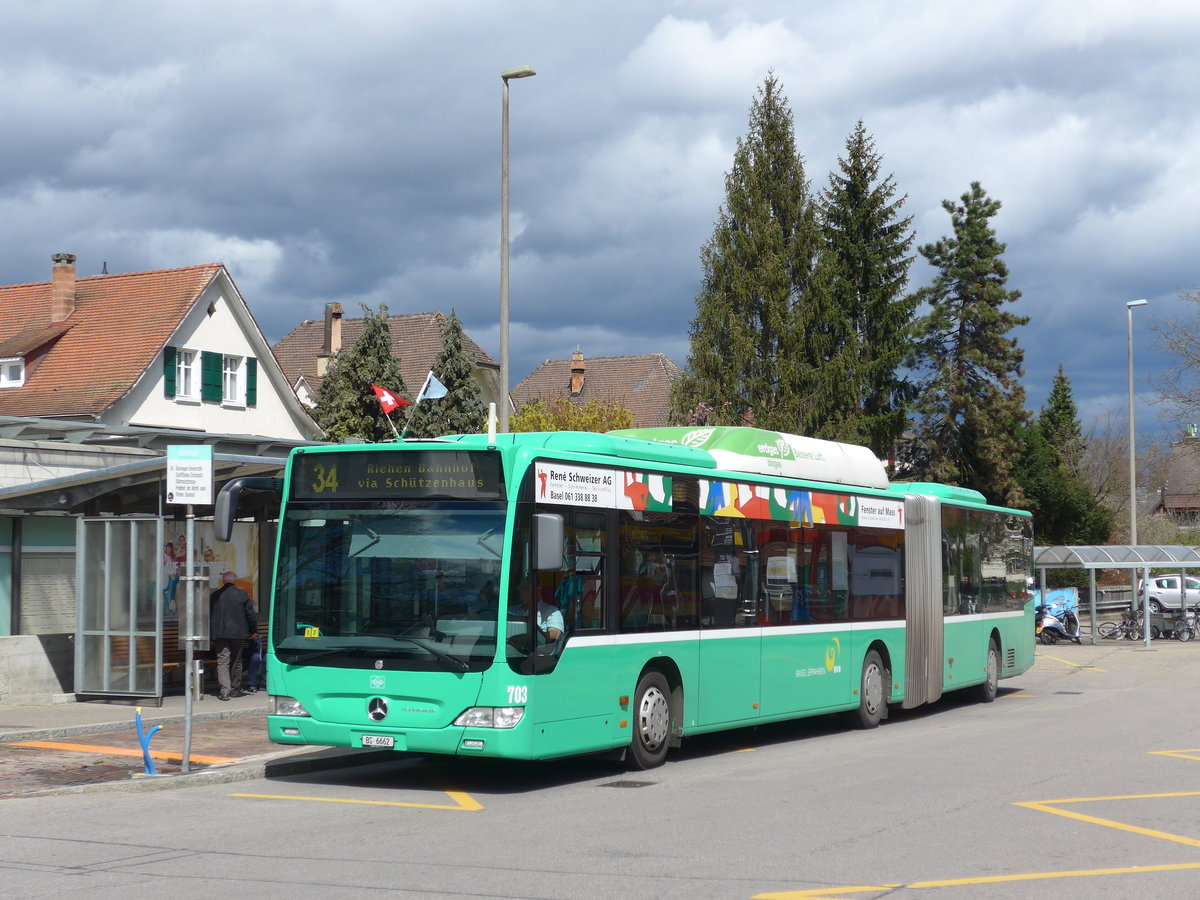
column 1118, row 556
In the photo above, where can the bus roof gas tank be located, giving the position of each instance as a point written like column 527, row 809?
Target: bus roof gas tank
column 761, row 452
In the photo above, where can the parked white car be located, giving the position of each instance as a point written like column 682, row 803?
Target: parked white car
column 1165, row 594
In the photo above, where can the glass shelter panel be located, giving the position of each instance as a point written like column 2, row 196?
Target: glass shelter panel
column 119, row 624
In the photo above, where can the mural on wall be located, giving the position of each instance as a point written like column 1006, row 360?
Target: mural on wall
column 211, row 559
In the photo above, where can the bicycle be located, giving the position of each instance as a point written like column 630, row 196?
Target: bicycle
column 1184, row 625
column 1129, row 628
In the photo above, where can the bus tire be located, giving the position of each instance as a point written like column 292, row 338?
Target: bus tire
column 986, row 692
column 652, row 721
column 872, row 702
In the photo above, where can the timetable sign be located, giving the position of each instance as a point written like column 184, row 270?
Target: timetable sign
column 190, row 474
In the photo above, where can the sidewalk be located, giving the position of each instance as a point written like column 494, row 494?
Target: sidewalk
column 75, row 746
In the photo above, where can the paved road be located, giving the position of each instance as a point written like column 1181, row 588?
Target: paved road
column 1079, row 781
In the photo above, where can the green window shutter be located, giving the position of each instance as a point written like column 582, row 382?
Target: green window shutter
column 169, row 363
column 251, row 381
column 210, row 377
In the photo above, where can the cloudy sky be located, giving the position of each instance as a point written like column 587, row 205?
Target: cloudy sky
column 350, row 151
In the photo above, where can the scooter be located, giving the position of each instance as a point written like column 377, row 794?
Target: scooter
column 1060, row 625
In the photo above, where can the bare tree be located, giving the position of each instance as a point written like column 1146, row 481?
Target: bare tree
column 1105, row 469
column 1179, row 383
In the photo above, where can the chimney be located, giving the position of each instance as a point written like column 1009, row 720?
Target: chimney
column 333, row 337
column 577, row 370
column 62, row 287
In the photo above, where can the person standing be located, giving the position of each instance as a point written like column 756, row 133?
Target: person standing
column 232, row 619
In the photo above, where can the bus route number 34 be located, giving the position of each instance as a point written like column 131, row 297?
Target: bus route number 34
column 324, row 479
column 518, row 693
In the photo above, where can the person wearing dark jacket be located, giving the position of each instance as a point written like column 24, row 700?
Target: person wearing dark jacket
column 232, row 618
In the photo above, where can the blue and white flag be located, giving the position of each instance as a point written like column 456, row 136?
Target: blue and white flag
column 432, row 389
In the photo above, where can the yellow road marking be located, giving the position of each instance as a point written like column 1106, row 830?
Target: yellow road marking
column 828, row 893
column 1046, row 806
column 1182, row 754
column 122, row 751
column 1068, row 663
column 1049, row 806
column 462, row 802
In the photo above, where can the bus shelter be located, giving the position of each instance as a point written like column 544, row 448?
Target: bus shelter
column 1141, row 558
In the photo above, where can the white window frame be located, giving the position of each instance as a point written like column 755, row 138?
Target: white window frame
column 233, row 380
column 187, row 374
column 8, row 380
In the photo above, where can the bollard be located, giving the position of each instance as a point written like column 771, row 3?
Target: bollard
column 144, row 740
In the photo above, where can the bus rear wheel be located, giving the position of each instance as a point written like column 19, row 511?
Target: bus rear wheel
column 652, row 721
column 871, row 701
column 986, row 692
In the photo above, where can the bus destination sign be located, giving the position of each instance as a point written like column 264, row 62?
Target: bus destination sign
column 397, row 475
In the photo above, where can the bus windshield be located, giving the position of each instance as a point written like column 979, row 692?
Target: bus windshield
column 388, row 585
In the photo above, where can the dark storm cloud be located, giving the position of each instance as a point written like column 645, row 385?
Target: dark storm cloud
column 350, row 151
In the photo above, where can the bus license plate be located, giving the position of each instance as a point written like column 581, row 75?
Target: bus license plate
column 378, row 740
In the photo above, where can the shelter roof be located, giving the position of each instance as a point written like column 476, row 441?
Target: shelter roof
column 1118, row 556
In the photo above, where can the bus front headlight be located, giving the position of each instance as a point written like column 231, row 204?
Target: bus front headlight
column 491, row 717
column 285, row 706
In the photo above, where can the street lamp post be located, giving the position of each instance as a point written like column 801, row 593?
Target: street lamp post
column 1133, row 538
column 519, row 72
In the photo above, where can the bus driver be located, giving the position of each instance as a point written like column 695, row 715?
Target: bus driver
column 549, row 617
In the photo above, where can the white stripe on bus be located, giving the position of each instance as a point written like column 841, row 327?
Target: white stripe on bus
column 713, row 634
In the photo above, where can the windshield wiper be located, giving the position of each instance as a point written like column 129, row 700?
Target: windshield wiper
column 483, row 537
column 434, row 651
column 374, row 540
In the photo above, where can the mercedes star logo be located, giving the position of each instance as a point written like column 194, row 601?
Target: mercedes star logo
column 377, row 709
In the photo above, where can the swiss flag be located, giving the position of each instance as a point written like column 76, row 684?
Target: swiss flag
column 389, row 401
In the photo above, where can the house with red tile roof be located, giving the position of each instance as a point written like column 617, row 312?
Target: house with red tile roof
column 170, row 349
column 306, row 351
column 642, row 384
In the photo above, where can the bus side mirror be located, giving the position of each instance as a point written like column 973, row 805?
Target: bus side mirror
column 225, row 509
column 547, row 541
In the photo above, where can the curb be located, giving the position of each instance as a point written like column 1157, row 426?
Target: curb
column 298, row 761
column 46, row 734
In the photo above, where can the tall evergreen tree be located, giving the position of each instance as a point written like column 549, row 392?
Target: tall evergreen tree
column 743, row 363
column 867, row 244
column 346, row 405
column 1066, row 510
column 971, row 405
column 461, row 411
column 1059, row 424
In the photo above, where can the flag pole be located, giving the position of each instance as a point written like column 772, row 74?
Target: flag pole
column 393, row 424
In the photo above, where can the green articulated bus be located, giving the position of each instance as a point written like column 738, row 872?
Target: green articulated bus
column 531, row 596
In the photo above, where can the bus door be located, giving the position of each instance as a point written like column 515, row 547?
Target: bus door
column 822, row 668
column 730, row 634
column 573, row 683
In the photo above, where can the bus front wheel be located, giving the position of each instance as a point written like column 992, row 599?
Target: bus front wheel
column 652, row 721
column 871, row 702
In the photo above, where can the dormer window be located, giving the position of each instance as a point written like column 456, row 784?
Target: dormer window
column 12, row 372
